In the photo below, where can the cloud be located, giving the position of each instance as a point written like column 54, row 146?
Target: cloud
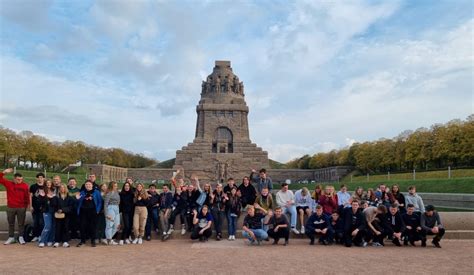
column 29, row 15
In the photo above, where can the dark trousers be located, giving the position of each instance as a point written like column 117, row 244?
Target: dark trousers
column 218, row 216
column 127, row 222
column 189, row 219
column 322, row 237
column 88, row 218
column 438, row 236
column 74, row 225
column 357, row 239
column 182, row 216
column 100, row 233
column 413, row 235
column 38, row 222
column 281, row 233
column 337, row 236
column 370, row 235
column 151, row 219
column 195, row 233
column 61, row 230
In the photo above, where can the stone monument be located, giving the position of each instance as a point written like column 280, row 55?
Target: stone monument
column 221, row 147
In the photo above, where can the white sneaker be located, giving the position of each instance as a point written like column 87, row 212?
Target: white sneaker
column 183, row 230
column 65, row 244
column 104, row 241
column 294, row 230
column 112, row 242
column 233, row 237
column 121, row 242
column 302, row 230
column 21, row 240
column 140, row 241
column 41, row 245
column 56, row 245
column 127, row 241
column 135, row 241
column 170, row 231
column 49, row 244
column 9, row 241
column 35, row 239
column 230, row 237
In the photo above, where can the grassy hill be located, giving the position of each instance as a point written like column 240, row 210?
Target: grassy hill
column 443, row 174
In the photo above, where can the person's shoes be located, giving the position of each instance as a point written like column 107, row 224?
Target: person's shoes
column 127, row 241
column 49, row 244
column 56, row 245
column 286, row 243
column 35, row 239
column 412, row 243
column 258, row 242
column 140, row 241
column 218, row 237
column 183, row 230
column 93, row 244
column 112, row 242
column 252, row 242
column 423, row 242
column 325, row 242
column 135, row 241
column 302, row 229
column 396, row 242
column 78, row 245
column 405, row 242
column 9, row 241
column 121, row 242
column 41, row 245
column 170, row 231
column 436, row 243
column 201, row 239
column 21, row 240
column 104, row 241
column 65, row 244
column 230, row 238
column 376, row 244
column 295, row 231
column 311, row 242
column 275, row 242
column 148, row 238
column 364, row 244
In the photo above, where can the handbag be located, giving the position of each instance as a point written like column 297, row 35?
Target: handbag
column 59, row 215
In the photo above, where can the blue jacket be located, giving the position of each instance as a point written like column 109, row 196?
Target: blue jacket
column 316, row 222
column 166, row 200
column 97, row 200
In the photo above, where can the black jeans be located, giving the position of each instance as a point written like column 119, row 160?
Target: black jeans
column 322, row 237
column 100, row 233
column 88, row 218
column 218, row 216
column 61, row 230
column 74, row 225
column 195, row 233
column 281, row 233
column 357, row 239
column 38, row 222
column 438, row 236
column 127, row 222
column 182, row 216
column 413, row 235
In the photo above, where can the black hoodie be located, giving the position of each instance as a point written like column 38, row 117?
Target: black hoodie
column 126, row 201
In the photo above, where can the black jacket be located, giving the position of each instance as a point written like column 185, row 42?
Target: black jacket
column 66, row 205
column 127, row 204
column 248, row 194
column 353, row 221
column 394, row 223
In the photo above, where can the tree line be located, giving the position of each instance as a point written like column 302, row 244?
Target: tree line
column 25, row 149
column 440, row 146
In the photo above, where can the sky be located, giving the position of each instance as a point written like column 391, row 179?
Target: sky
column 318, row 75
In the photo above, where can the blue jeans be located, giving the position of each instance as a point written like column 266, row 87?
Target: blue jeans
column 260, row 234
column 47, row 235
column 151, row 219
column 231, row 223
column 292, row 211
column 112, row 225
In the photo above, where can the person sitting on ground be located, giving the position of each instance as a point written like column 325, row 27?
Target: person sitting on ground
column 304, row 205
column 374, row 219
column 247, row 192
column 252, row 227
column 354, row 226
column 318, row 225
column 395, row 224
column 413, row 231
column 431, row 224
column 286, row 200
column 262, row 180
column 18, row 201
column 202, row 222
column 413, row 198
column 279, row 226
column 337, row 228
column 329, row 200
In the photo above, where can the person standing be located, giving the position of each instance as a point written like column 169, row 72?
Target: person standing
column 38, row 222
column 63, row 206
column 88, row 209
column 262, row 180
column 18, row 201
column 74, row 225
column 111, row 211
column 166, row 204
column 234, row 208
column 127, row 208
column 248, row 193
column 218, row 203
column 140, row 214
column 153, row 209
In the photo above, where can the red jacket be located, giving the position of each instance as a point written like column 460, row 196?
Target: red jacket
column 328, row 204
column 18, row 195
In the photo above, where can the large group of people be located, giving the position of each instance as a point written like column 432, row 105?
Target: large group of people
column 111, row 215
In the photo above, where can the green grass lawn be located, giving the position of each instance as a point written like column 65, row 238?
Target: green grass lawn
column 29, row 176
column 455, row 173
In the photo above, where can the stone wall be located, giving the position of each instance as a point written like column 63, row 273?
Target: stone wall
column 107, row 173
column 149, row 174
column 319, row 175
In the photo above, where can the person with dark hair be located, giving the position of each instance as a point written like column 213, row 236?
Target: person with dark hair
column 73, row 220
column 396, row 197
column 45, row 197
column 337, row 228
column 413, row 231
column 413, row 198
column 375, row 221
column 354, row 226
column 286, row 200
column 191, row 194
column 92, row 178
column 18, row 201
column 218, row 203
column 233, row 208
column 431, row 224
column 166, row 204
column 179, row 208
column 38, row 222
column 318, row 224
column 153, row 208
column 229, row 186
column 278, row 226
column 394, row 225
column 202, row 222
column 262, row 180
column 127, row 208
column 101, row 220
column 88, row 209
column 248, row 193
